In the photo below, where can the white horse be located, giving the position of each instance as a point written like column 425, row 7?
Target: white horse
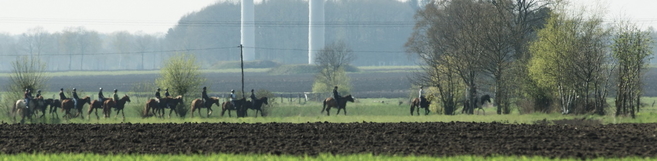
column 19, row 108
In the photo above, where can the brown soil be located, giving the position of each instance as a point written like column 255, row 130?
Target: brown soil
column 434, row 139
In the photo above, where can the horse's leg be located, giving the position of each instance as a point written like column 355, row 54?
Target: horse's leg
column 193, row 112
column 209, row 112
column 223, row 110
column 344, row 109
column 122, row 115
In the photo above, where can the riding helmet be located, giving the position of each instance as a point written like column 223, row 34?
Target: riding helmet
column 232, row 90
column 73, row 89
column 101, row 88
column 38, row 91
column 166, row 89
column 61, row 89
column 115, row 90
column 251, row 90
column 204, row 88
column 158, row 89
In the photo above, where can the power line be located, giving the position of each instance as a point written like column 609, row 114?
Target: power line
column 198, row 49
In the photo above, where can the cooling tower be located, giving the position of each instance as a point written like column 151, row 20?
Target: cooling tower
column 248, row 30
column 315, row 28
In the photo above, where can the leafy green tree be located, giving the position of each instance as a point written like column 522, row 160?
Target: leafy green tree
column 569, row 60
column 181, row 75
column 331, row 62
column 632, row 51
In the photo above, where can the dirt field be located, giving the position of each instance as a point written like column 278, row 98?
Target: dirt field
column 435, row 139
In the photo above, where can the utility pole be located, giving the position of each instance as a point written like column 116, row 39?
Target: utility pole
column 240, row 110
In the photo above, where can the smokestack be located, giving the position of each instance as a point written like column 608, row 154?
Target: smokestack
column 248, row 30
column 315, row 28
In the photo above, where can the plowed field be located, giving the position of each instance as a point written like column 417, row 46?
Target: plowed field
column 435, row 139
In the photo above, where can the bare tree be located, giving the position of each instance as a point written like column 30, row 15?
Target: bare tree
column 331, row 63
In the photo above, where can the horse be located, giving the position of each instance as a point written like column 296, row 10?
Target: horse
column 20, row 108
column 119, row 106
column 330, row 102
column 198, row 103
column 42, row 107
column 478, row 104
column 155, row 107
column 416, row 104
column 107, row 107
column 227, row 106
column 54, row 105
column 257, row 106
column 68, row 104
column 97, row 105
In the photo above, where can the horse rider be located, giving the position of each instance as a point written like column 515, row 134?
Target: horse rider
column 232, row 97
column 204, row 96
column 157, row 95
column 38, row 94
column 336, row 96
column 75, row 98
column 101, row 97
column 166, row 92
column 421, row 96
column 253, row 98
column 27, row 97
column 61, row 94
column 115, row 95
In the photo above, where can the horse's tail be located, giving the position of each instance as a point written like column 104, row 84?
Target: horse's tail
column 323, row 105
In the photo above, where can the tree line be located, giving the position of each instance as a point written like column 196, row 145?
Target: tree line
column 530, row 53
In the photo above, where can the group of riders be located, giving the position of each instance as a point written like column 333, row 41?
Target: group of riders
column 75, row 98
column 101, row 97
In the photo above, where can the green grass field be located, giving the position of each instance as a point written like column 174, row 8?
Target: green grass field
column 363, row 110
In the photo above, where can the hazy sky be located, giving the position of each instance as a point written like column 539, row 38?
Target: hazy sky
column 156, row 16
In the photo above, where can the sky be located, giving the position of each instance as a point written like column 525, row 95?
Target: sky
column 157, row 16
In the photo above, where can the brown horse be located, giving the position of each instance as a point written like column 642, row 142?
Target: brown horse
column 118, row 105
column 68, row 104
column 416, row 104
column 330, row 102
column 107, row 107
column 257, row 106
column 198, row 104
column 153, row 107
column 227, row 106
column 96, row 105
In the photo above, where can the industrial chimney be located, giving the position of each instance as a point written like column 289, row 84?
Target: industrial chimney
column 315, row 28
column 248, row 30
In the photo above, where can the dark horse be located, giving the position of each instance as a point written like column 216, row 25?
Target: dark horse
column 198, row 104
column 152, row 106
column 43, row 106
column 330, row 102
column 67, row 105
column 416, row 104
column 54, row 104
column 257, row 106
column 478, row 104
column 227, row 106
column 118, row 105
